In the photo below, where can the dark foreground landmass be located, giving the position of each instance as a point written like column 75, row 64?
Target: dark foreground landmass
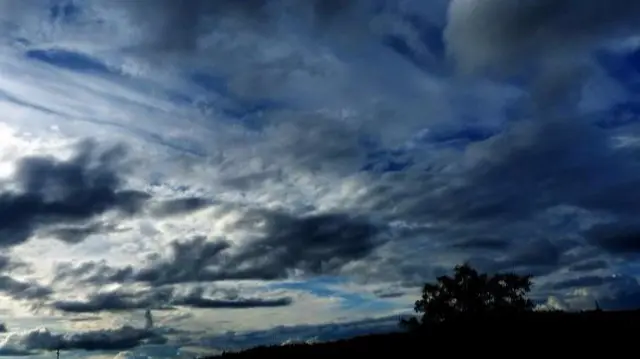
column 540, row 333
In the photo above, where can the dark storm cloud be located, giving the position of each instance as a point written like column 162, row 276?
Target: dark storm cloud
column 78, row 233
column 51, row 191
column 22, row 290
column 190, row 260
column 509, row 189
column 116, row 301
column 532, row 166
column 241, row 303
column 317, row 244
column 314, row 244
column 5, row 261
column 179, row 206
column 618, row 237
column 505, row 34
column 514, row 178
column 167, row 298
column 542, row 256
column 65, row 198
column 176, row 25
column 330, row 8
column 539, row 257
column 391, row 292
column 9, row 263
column 493, row 244
column 541, row 165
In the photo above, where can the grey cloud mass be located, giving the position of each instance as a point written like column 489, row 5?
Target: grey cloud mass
column 505, row 34
column 620, row 237
column 23, row 290
column 78, row 233
column 178, row 25
column 51, row 191
column 511, row 178
column 65, row 198
column 166, row 298
column 4, row 262
column 589, row 265
column 179, row 206
column 311, row 245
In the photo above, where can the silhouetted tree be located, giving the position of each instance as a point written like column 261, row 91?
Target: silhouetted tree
column 471, row 293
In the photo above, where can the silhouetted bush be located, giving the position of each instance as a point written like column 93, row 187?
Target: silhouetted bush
column 470, row 294
column 537, row 333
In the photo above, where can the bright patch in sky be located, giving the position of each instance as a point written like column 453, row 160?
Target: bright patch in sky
column 267, row 171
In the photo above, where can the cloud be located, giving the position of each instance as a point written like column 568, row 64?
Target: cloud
column 78, row 233
column 51, row 191
column 23, row 290
column 619, row 237
column 234, row 304
column 166, row 298
column 507, row 34
column 19, row 289
column 180, row 26
column 515, row 200
column 489, row 182
column 611, row 292
column 389, row 293
column 115, row 301
column 590, row 265
column 308, row 245
column 122, row 338
column 4, row 262
column 179, row 206
column 71, row 199
column 511, row 213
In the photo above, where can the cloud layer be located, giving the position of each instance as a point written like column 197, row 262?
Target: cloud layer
column 261, row 163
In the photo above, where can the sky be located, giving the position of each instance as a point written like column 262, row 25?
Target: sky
column 270, row 171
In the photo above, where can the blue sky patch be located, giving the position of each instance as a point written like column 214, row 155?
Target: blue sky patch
column 623, row 67
column 622, row 114
column 320, row 286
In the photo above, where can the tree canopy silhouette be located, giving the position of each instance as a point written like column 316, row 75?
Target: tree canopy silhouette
column 471, row 293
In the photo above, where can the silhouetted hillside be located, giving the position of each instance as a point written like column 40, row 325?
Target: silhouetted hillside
column 539, row 332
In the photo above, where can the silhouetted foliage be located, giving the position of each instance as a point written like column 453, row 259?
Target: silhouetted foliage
column 578, row 332
column 470, row 293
